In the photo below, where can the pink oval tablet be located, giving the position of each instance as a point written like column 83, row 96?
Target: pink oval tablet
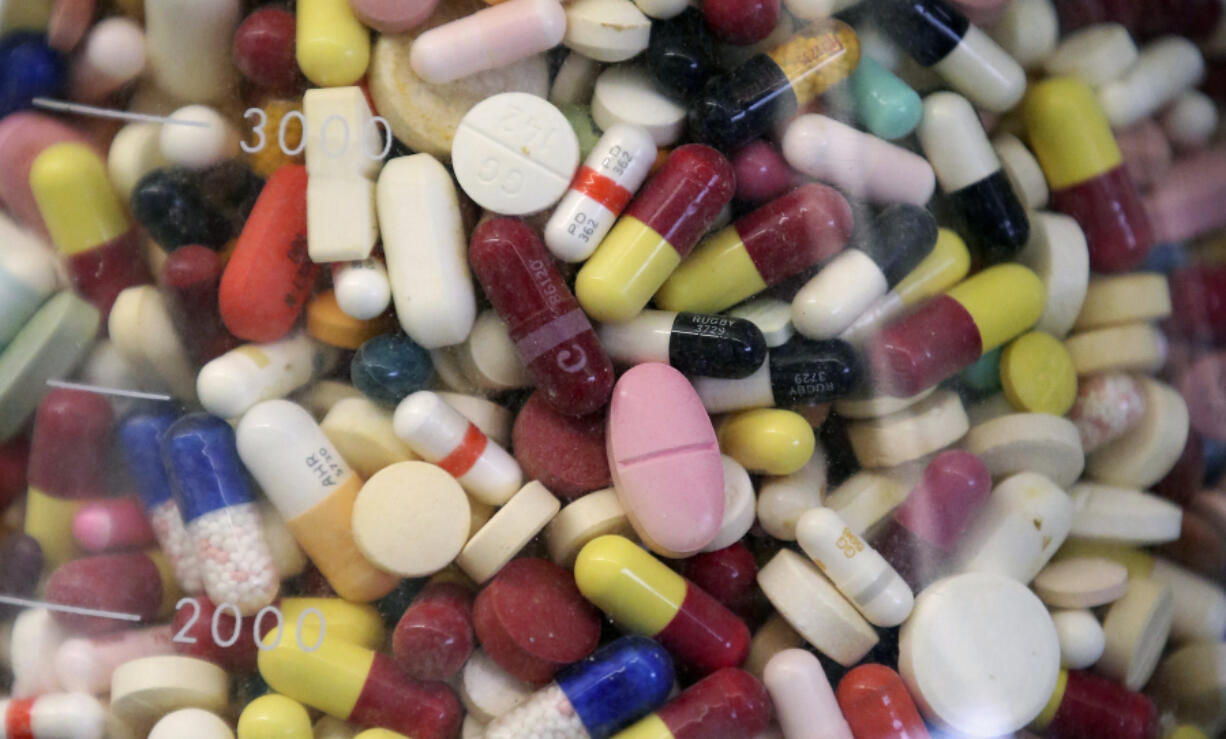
column 393, row 16
column 665, row 460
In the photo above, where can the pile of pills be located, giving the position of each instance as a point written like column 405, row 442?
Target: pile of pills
column 631, row 369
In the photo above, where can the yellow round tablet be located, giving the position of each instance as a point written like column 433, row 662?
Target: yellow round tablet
column 769, row 440
column 274, row 716
column 1037, row 374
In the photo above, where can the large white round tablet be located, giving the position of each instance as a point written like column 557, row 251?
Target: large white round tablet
column 515, row 153
column 626, row 94
column 979, row 654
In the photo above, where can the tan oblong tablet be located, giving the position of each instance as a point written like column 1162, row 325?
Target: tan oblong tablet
column 1123, row 515
column 925, row 427
column 1147, row 451
column 813, row 607
column 512, row 527
column 1136, row 626
column 1058, row 254
column 1134, row 347
column 1028, row 442
column 1118, row 299
column 411, row 519
column 1081, row 582
column 595, row 514
column 144, row 690
column 867, row 497
column 362, row 432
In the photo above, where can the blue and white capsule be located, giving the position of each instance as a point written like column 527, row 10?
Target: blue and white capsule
column 223, row 519
column 140, row 440
column 594, row 699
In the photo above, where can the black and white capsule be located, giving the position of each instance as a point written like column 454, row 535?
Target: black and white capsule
column 970, row 175
column 800, row 372
column 694, row 343
column 879, row 256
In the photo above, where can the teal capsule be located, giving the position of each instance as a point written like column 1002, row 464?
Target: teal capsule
column 983, row 377
column 886, row 105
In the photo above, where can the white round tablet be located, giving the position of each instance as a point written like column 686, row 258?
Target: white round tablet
column 626, row 94
column 198, row 137
column 1081, row 638
column 191, row 723
column 515, row 153
column 979, row 654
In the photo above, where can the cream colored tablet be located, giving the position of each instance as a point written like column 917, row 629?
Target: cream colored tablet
column 472, row 728
column 740, row 506
column 818, row 612
column 771, row 638
column 1082, row 640
column 411, row 519
column 925, row 427
column 1136, row 628
column 362, row 432
column 487, row 690
column 1134, row 347
column 1119, row 299
column 493, row 419
column 123, row 327
column 606, row 30
column 1058, row 254
column 512, row 527
column 1022, row 169
column 447, row 370
column 771, row 315
column 1081, row 582
column 993, row 406
column 1123, row 515
column 979, row 654
column 803, row 697
column 1018, row 530
column 782, row 500
column 1027, row 30
column 1200, row 603
column 575, row 80
column 867, row 497
column 875, row 407
column 1191, row 681
column 488, row 357
column 323, row 396
column 1034, row 442
column 1148, row 450
column 588, row 517
column 626, row 94
column 162, row 348
column 191, row 723
column 144, row 690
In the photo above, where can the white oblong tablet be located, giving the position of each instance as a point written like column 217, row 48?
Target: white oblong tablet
column 926, row 427
column 606, row 30
column 739, row 506
column 1081, row 582
column 1024, row 521
column 1133, row 347
column 1112, row 300
column 1028, row 442
column 626, row 94
column 411, row 519
column 1200, row 603
column 1058, row 254
column 514, row 153
column 1022, row 169
column 1136, row 628
column 1123, row 515
column 1081, row 638
column 144, row 690
column 960, row 667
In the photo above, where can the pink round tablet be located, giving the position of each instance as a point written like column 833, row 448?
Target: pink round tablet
column 532, row 620
column 1203, row 386
column 565, row 453
column 665, row 460
column 393, row 16
column 112, row 525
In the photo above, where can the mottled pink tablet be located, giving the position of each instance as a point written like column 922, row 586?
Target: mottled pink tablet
column 393, row 16
column 665, row 460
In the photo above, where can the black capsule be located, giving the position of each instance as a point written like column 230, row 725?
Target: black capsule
column 171, row 204
column 682, row 54
column 737, row 107
column 897, row 240
column 805, row 371
column 715, row 346
column 994, row 221
column 928, row 30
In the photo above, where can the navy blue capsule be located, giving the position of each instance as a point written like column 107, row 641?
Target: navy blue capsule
column 738, row 107
column 928, row 30
column 205, row 470
column 140, row 441
column 715, row 346
column 171, row 204
column 897, row 240
column 389, row 368
column 29, row 68
column 993, row 219
column 622, row 681
column 682, row 55
column 805, row 371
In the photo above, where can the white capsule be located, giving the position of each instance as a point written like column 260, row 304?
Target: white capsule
column 1190, row 121
column 856, row 569
column 1097, row 54
column 645, row 338
column 492, row 38
column 426, row 251
column 57, row 716
column 836, row 296
column 242, row 377
column 953, row 139
column 611, row 174
column 188, row 43
column 1165, row 69
column 439, row 434
column 362, row 288
column 982, row 71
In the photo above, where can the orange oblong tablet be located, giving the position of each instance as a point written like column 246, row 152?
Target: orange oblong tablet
column 269, row 276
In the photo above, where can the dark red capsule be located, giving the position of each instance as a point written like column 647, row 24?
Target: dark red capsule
column 195, row 629
column 726, row 703
column 1095, row 707
column 729, row 575
column 264, row 49
column 191, row 278
column 434, row 637
column 14, row 457
column 741, row 22
column 552, row 335
column 69, row 449
column 129, row 584
column 1110, row 212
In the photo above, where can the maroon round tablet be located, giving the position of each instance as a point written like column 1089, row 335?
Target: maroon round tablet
column 761, row 172
column 130, row 584
column 532, row 620
column 566, row 454
column 435, row 635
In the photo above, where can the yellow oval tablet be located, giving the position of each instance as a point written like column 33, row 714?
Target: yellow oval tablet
column 1037, row 374
column 274, row 716
column 768, row 440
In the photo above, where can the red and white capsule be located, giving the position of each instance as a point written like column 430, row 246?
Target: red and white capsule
column 440, row 435
column 600, row 192
column 69, row 715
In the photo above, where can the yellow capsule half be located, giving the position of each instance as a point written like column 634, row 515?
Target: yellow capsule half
column 768, row 440
column 1004, row 301
column 332, row 45
column 75, row 198
column 634, row 588
column 717, row 275
column 945, row 266
column 1069, row 132
column 631, row 263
